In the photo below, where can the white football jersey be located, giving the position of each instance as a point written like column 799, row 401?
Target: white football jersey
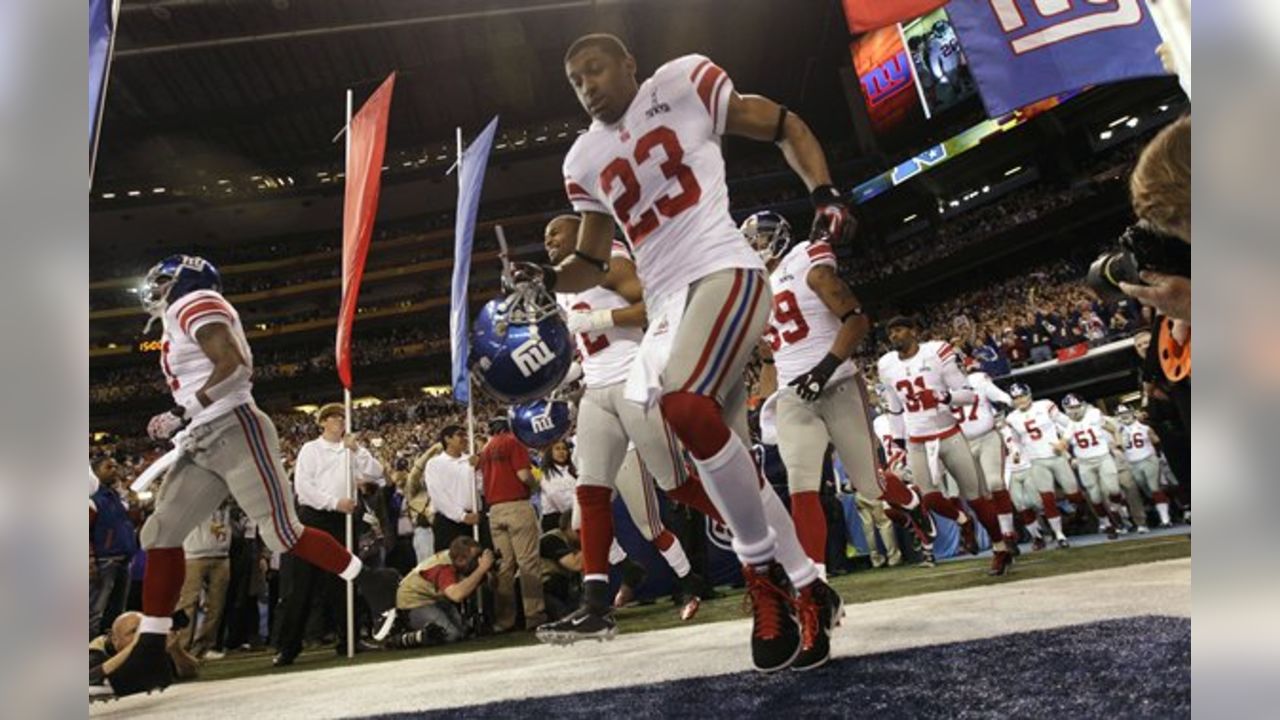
column 887, row 431
column 801, row 326
column 1137, row 441
column 1088, row 436
column 660, row 173
column 1037, row 428
column 185, row 366
column 979, row 417
column 606, row 357
column 909, row 385
column 1014, row 459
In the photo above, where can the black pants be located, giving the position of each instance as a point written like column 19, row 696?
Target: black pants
column 550, row 521
column 301, row 583
column 445, row 530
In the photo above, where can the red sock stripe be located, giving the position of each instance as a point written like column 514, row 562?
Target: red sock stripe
column 811, row 524
column 596, row 531
column 664, row 540
column 1050, row 503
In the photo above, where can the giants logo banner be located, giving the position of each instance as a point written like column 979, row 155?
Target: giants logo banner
column 884, row 72
column 1021, row 51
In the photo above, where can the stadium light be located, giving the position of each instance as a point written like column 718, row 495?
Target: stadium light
column 909, row 218
column 1132, row 123
column 955, row 203
column 1105, row 135
column 134, row 193
column 986, row 188
column 1013, row 171
column 108, row 195
column 158, row 190
column 1164, row 108
column 1118, row 121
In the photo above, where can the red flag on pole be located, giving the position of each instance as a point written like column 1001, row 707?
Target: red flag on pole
column 366, row 141
column 865, row 15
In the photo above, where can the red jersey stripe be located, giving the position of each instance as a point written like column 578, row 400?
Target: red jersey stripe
column 705, row 85
column 186, row 326
column 693, row 76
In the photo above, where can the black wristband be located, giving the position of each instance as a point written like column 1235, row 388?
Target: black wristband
column 602, row 264
column 781, row 129
column 178, row 411
column 825, row 195
column 828, row 364
column 852, row 313
column 549, row 276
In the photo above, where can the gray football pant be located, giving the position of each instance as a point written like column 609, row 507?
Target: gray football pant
column 1099, row 477
column 954, row 455
column 1046, row 472
column 988, row 453
column 607, row 422
column 837, row 417
column 236, row 453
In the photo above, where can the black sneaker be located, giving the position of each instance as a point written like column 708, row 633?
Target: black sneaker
column 1063, row 543
column 581, row 624
column 428, row 636
column 820, row 609
column 927, row 559
column 775, row 633
column 141, row 667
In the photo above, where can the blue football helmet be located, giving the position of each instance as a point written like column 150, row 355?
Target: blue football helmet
column 173, row 277
column 1073, row 406
column 1021, row 395
column 520, row 346
column 769, row 234
column 540, row 423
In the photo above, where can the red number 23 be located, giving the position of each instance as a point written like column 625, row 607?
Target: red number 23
column 621, row 172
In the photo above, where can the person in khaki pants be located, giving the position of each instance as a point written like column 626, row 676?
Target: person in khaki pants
column 207, row 550
column 873, row 518
column 508, row 480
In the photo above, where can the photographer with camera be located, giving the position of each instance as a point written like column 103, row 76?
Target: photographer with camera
column 429, row 597
column 1153, row 264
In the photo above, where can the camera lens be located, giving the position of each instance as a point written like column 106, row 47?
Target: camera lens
column 1108, row 271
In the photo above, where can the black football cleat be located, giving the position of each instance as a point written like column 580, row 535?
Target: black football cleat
column 141, row 667
column 1037, row 544
column 581, row 624
column 1063, row 543
column 927, row 559
column 820, row 609
column 775, row 631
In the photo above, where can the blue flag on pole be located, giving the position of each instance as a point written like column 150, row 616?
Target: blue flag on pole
column 1021, row 51
column 102, row 22
column 470, row 181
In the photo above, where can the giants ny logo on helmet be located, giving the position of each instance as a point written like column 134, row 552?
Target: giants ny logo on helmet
column 540, row 423
column 520, row 347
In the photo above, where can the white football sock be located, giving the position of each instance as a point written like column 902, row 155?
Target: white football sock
column 1056, row 524
column 676, row 558
column 1006, row 523
column 1034, row 530
column 731, row 482
column 157, row 625
column 1163, row 510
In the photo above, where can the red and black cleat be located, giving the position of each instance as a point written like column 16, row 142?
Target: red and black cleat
column 775, row 632
column 1001, row 561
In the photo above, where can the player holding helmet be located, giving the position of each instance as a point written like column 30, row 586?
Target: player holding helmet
column 607, row 324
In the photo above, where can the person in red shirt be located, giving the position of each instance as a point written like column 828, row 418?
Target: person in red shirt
column 508, row 482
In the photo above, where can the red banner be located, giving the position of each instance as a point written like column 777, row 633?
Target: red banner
column 367, row 136
column 864, row 15
column 1078, row 350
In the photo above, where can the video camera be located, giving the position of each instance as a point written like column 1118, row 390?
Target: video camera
column 1141, row 248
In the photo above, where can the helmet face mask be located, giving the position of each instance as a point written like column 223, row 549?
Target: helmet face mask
column 173, row 277
column 768, row 233
column 1021, row 395
column 1074, row 407
column 1125, row 414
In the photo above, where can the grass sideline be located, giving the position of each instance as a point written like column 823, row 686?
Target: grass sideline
column 855, row 588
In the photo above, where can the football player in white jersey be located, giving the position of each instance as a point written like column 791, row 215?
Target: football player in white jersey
column 895, row 476
column 1017, row 473
column 1140, row 443
column 922, row 382
column 607, row 322
column 815, row 326
column 1039, row 425
column 651, row 161
column 1091, row 438
column 978, row 423
column 227, row 445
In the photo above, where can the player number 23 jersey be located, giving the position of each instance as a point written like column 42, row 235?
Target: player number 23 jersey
column 660, row 173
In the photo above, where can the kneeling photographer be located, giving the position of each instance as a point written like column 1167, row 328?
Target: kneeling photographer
column 1153, row 262
column 428, row 599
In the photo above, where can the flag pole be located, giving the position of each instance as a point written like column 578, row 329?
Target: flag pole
column 102, row 98
column 471, row 415
column 346, row 403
